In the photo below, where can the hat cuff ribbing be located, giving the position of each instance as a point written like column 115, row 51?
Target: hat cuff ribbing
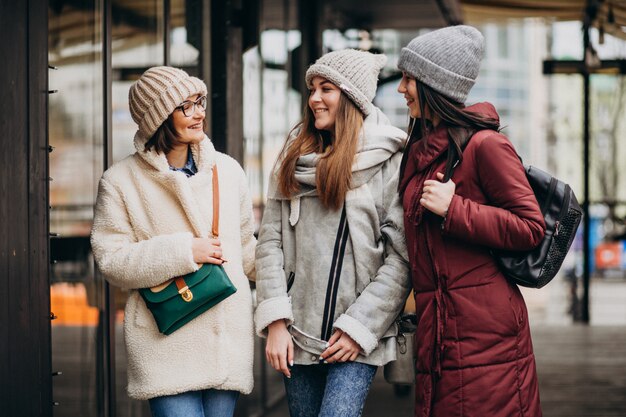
column 168, row 100
column 450, row 84
column 358, row 98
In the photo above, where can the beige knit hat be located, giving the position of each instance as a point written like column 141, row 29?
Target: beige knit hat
column 354, row 72
column 155, row 95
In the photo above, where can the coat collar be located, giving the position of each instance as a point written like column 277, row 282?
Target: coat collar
column 156, row 165
column 435, row 143
column 203, row 154
column 430, row 148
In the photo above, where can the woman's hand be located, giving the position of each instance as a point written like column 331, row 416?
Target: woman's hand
column 279, row 347
column 341, row 348
column 207, row 251
column 437, row 195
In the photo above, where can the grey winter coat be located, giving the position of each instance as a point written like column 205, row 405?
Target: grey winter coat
column 347, row 269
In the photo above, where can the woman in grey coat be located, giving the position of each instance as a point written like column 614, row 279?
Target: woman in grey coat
column 332, row 271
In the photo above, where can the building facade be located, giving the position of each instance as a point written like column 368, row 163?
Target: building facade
column 66, row 69
column 65, row 92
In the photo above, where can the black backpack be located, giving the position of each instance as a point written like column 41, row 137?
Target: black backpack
column 562, row 215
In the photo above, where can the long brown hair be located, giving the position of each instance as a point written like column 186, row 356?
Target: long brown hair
column 461, row 123
column 334, row 169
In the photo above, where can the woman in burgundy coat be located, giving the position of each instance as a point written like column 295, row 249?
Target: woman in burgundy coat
column 474, row 354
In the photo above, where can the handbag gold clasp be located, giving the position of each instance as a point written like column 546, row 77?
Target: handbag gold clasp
column 186, row 293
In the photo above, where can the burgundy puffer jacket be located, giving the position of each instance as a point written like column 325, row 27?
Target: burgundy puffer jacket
column 474, row 350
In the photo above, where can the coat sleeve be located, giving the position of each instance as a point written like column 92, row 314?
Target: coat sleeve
column 248, row 241
column 126, row 262
column 376, row 308
column 512, row 220
column 271, row 286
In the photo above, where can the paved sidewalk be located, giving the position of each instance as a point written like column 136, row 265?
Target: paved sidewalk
column 582, row 370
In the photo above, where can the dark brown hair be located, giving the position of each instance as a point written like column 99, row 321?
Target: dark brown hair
column 165, row 136
column 461, row 123
column 334, row 169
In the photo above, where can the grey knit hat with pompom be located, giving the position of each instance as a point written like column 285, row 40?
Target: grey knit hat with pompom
column 155, row 95
column 354, row 72
column 447, row 60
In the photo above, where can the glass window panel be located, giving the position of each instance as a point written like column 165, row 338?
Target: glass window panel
column 607, row 187
column 252, row 122
column 271, row 109
column 607, row 191
column 608, row 114
column 182, row 52
column 75, row 131
column 567, row 40
column 137, row 44
column 503, row 42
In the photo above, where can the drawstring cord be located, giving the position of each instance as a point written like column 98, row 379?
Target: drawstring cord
column 441, row 319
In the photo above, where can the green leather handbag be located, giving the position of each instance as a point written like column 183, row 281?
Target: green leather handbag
column 178, row 301
column 187, row 297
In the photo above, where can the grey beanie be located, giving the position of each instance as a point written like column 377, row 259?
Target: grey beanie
column 447, row 60
column 354, row 72
column 155, row 95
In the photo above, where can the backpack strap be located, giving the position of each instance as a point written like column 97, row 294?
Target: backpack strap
column 454, row 158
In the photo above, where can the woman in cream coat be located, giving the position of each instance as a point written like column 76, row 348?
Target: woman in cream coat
column 152, row 223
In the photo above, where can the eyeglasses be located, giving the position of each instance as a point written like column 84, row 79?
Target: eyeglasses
column 189, row 107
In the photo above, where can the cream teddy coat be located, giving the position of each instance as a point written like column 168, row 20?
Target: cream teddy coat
column 145, row 218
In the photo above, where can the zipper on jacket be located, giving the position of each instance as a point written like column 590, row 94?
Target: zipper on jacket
column 335, row 274
column 290, row 280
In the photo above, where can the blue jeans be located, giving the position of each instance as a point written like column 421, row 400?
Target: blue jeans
column 205, row 403
column 333, row 390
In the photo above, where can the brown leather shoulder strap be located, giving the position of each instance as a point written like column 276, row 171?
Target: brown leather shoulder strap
column 216, row 203
column 215, row 229
column 180, row 283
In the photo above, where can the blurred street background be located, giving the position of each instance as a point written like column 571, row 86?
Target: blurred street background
column 554, row 69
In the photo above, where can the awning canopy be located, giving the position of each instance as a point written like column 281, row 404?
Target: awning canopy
column 610, row 15
column 393, row 14
column 138, row 20
column 368, row 14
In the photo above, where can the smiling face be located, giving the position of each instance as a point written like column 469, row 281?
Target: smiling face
column 324, row 101
column 408, row 88
column 189, row 129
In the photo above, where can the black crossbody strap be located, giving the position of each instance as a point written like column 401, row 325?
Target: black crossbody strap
column 453, row 155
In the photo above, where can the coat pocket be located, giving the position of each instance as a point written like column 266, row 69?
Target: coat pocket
column 139, row 314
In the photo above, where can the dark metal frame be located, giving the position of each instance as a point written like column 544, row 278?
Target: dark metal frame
column 106, row 334
column 447, row 14
column 586, row 220
column 25, row 369
column 227, row 77
column 309, row 22
column 579, row 67
column 167, row 28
